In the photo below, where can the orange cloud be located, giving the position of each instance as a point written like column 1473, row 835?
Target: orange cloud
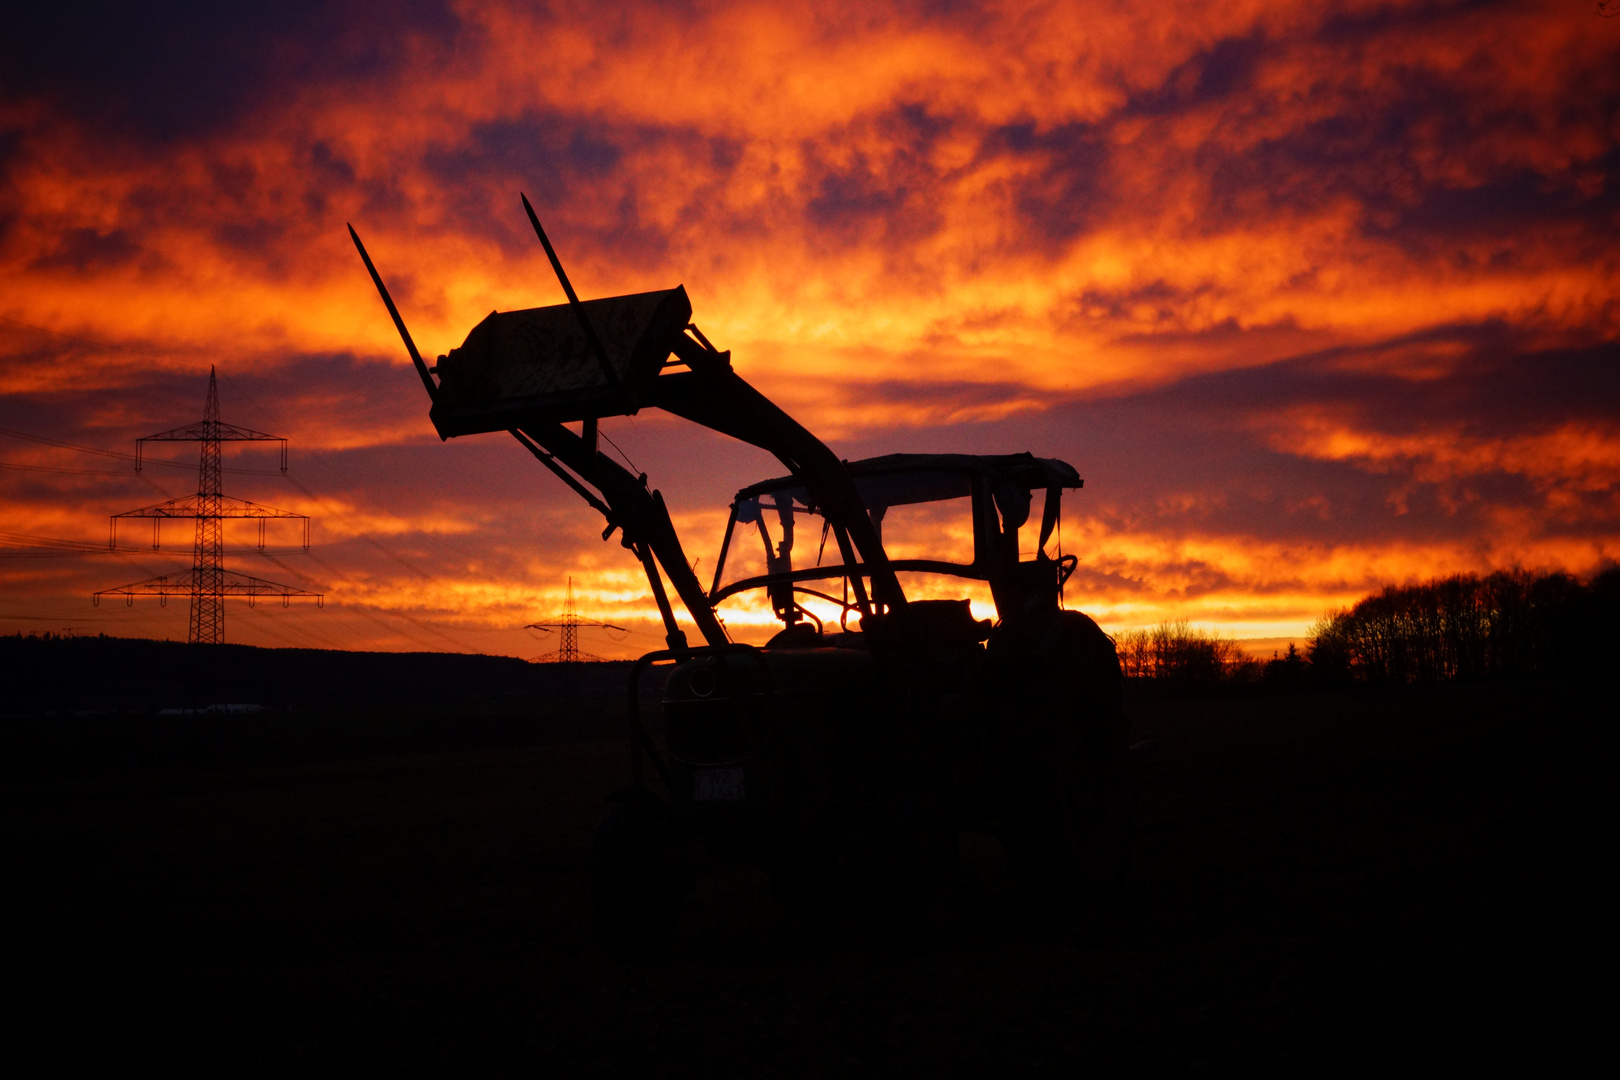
column 904, row 221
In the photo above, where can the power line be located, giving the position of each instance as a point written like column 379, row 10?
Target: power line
column 319, row 458
column 310, row 630
column 29, row 538
column 59, row 469
column 80, row 340
column 365, row 610
column 358, row 535
column 74, row 553
column 59, row 444
column 208, row 582
column 615, row 446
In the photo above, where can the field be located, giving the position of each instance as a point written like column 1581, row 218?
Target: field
column 1323, row 882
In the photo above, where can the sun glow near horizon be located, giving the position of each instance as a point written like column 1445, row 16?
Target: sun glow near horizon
column 1318, row 300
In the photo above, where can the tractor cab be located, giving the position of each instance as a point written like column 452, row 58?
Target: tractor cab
column 989, row 520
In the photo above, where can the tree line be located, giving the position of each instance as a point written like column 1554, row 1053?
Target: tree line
column 1509, row 624
column 1176, row 653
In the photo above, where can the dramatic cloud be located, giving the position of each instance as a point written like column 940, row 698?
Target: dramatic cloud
column 1316, row 297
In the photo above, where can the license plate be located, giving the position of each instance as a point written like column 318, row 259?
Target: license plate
column 717, row 785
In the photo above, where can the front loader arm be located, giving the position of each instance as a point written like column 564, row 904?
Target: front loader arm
column 713, row 395
column 644, row 520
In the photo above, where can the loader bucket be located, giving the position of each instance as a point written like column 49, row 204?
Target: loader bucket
column 537, row 366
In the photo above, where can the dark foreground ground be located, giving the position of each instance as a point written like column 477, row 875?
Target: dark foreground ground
column 1324, row 883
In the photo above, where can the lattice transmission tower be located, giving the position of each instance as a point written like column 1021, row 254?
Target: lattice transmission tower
column 568, row 626
column 209, row 582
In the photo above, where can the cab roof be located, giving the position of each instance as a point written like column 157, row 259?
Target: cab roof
column 901, row 479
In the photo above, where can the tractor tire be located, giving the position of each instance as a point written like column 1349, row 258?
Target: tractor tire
column 1070, row 841
column 1068, row 797
column 802, row 880
column 919, row 872
column 634, row 894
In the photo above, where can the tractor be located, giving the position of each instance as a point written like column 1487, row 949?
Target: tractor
column 848, row 752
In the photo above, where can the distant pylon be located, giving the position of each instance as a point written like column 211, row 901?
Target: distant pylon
column 568, row 626
column 209, row 582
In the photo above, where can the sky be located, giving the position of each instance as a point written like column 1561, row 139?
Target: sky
column 1317, row 298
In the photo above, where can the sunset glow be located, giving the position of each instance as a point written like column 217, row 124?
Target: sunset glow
column 1317, row 298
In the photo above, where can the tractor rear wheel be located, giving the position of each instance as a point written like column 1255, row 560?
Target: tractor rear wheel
column 919, row 871
column 1066, row 788
column 1070, row 839
column 634, row 894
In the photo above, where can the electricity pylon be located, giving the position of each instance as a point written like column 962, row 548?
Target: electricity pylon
column 568, row 626
column 209, row 582
column 568, row 655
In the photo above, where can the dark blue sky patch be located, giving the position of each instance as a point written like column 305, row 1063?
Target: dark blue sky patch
column 1364, row 26
column 1508, row 208
column 916, row 128
column 947, row 395
column 591, row 156
column 256, row 241
column 883, row 199
column 1500, row 383
column 86, row 250
column 1068, row 199
column 188, row 68
column 1543, row 387
column 964, row 15
column 545, row 151
column 326, row 177
column 725, row 155
column 1197, row 457
column 628, row 235
column 847, row 198
column 11, row 149
column 1152, row 463
column 1305, row 170
column 380, row 197
column 568, row 165
column 1017, row 138
column 1381, row 150
column 1225, row 69
column 332, row 169
column 1168, row 302
column 1068, row 189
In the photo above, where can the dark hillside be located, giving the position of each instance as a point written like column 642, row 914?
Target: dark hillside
column 1355, row 882
column 103, row 674
column 94, row 705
